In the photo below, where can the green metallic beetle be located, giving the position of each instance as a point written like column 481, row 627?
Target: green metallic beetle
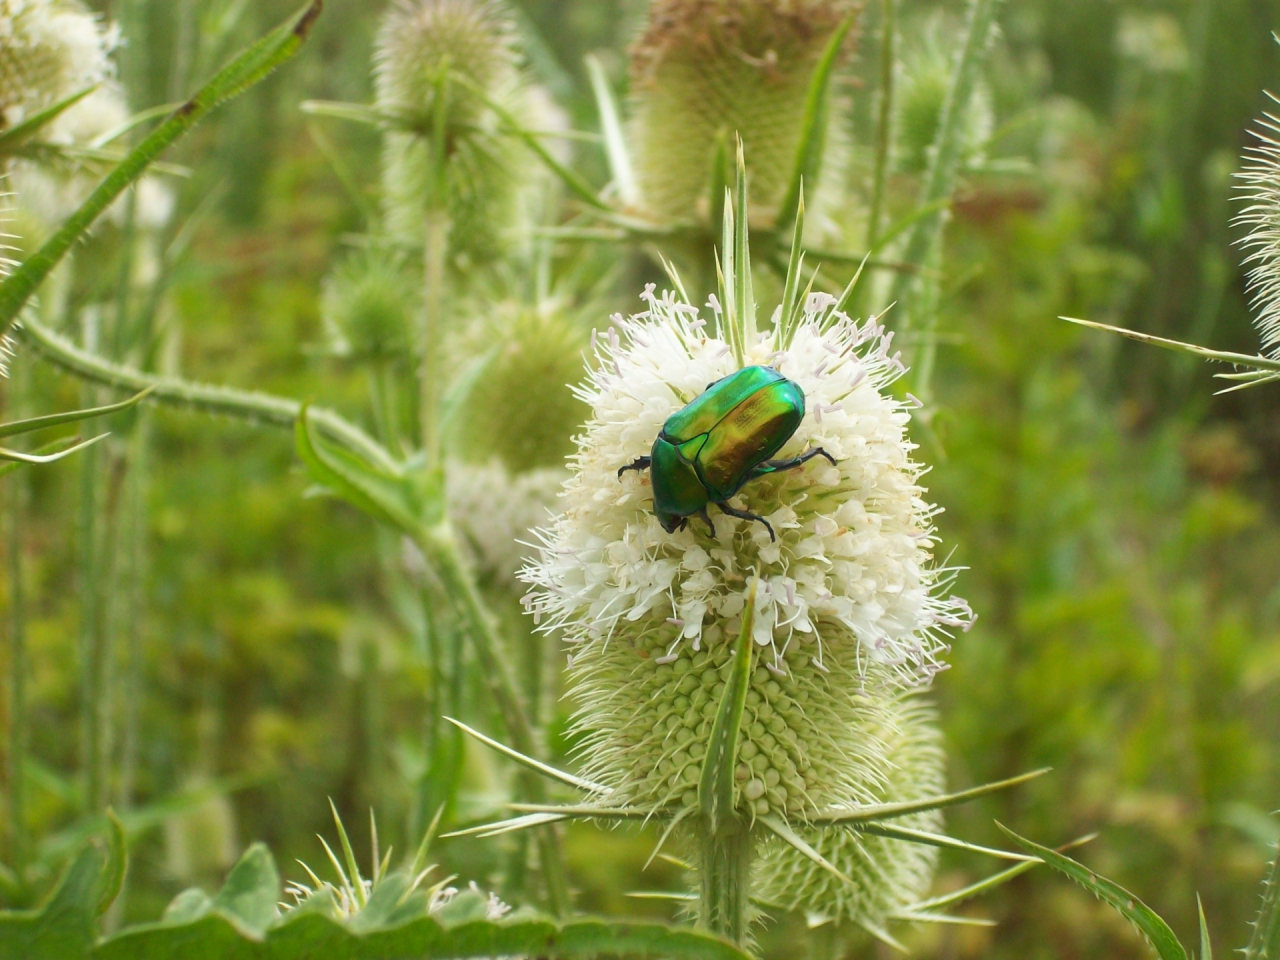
column 718, row 441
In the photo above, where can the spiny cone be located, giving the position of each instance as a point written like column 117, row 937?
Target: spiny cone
column 923, row 85
column 705, row 70
column 368, row 305
column 887, row 875
column 472, row 41
column 523, row 412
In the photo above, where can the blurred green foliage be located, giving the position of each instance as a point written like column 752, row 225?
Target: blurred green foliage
column 1117, row 522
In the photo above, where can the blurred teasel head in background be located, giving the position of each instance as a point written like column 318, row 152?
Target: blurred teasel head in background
column 704, row 71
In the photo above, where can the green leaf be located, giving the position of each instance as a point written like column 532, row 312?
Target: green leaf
column 1265, row 942
column 112, row 879
column 249, row 896
column 1144, row 919
column 17, row 456
column 64, row 928
column 936, row 840
column 15, row 137
column 1206, row 947
column 744, row 292
column 808, row 160
column 885, row 811
column 243, row 72
column 792, row 304
column 306, row 934
column 381, row 494
column 615, row 144
column 74, row 416
column 716, row 786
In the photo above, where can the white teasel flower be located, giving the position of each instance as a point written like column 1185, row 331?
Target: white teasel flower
column 1261, row 216
column 497, row 512
column 49, row 50
column 851, row 574
column 849, row 610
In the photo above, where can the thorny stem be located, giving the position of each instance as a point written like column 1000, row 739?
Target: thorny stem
column 884, row 122
column 944, row 164
column 16, row 773
column 441, row 550
column 434, row 257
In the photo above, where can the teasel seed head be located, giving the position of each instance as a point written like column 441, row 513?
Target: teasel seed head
column 452, row 55
column 704, row 71
column 368, row 305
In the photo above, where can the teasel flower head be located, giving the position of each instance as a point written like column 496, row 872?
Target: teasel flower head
column 849, row 605
column 49, row 50
column 440, row 65
column 1261, row 218
column 367, row 306
column 705, row 71
column 514, row 433
column 925, row 80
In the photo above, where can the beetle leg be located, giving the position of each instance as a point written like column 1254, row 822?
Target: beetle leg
column 711, row 527
column 747, row 515
column 777, row 466
column 640, row 463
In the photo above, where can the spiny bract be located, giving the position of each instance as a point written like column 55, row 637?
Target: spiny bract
column 710, row 69
column 1261, row 179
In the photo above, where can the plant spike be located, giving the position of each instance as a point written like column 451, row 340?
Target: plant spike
column 716, row 787
column 884, row 811
column 782, row 831
column 791, row 302
column 937, row 840
column 75, row 416
column 813, row 127
column 536, row 765
column 615, row 142
column 1206, row 946
column 884, row 120
column 17, row 136
column 719, row 176
column 357, row 881
column 744, row 292
column 240, row 74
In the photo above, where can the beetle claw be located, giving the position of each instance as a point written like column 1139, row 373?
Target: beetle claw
column 747, row 515
column 640, row 463
column 711, row 527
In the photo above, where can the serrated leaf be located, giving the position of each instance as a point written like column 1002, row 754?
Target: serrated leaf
column 716, row 785
column 1265, row 942
column 241, row 73
column 1145, row 920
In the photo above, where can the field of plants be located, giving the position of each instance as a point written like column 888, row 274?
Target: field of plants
column 575, row 478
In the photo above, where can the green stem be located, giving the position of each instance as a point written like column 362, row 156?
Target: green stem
column 16, row 798
column 441, row 551
column 944, row 165
column 435, row 255
column 253, row 407
column 1265, row 942
column 884, row 122
column 725, row 864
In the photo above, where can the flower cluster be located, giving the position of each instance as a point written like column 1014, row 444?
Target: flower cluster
column 1261, row 178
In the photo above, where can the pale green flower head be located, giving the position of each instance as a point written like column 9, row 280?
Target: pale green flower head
column 1261, row 217
column 924, row 82
column 705, row 70
column 464, row 48
column 523, row 412
column 368, row 305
